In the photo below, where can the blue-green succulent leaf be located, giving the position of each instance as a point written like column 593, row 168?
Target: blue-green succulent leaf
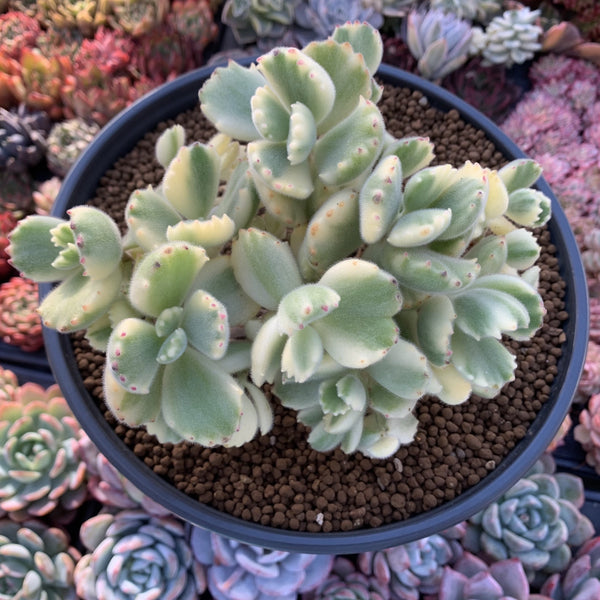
column 520, row 173
column 364, row 39
column 419, row 227
column 415, row 153
column 270, row 117
column 302, row 134
column 301, row 355
column 305, row 304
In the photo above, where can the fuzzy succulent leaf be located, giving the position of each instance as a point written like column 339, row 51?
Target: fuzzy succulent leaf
column 205, row 323
column 287, row 210
column 266, row 352
column 380, row 199
column 147, row 215
column 207, row 233
column 520, row 173
column 404, row 371
column 302, row 134
column 332, row 234
column 270, row 117
column 420, row 227
column 364, row 41
column 305, row 304
column 168, row 144
column 78, row 301
column 350, row 147
column 200, row 401
column 528, row 207
column 455, row 389
column 415, row 153
column 225, row 100
column 435, row 326
column 295, row 77
column 191, row 181
column 163, row 277
column 387, row 403
column 131, row 354
column 269, row 162
column 485, row 363
column 491, row 253
column 264, row 266
column 349, row 75
column 32, row 250
column 426, row 185
column 301, row 354
column 522, row 249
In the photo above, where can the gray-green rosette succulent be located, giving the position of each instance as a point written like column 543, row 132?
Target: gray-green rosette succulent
column 41, row 468
column 302, row 247
column 134, row 555
column 237, row 571
column 537, row 521
column 37, row 562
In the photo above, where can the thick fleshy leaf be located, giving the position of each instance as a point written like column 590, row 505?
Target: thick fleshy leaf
column 485, row 363
column 520, row 173
column 528, row 207
column 270, row 117
column 206, row 233
column 131, row 355
column 435, row 56
column 200, row 402
column 497, row 201
column 522, row 249
column 206, row 325
column 305, row 305
column 248, row 424
column 78, row 301
column 287, row 210
column 491, row 253
column 380, row 199
column 264, row 266
column 364, row 40
column 349, row 74
column 299, row 396
column 270, row 163
column 489, row 313
column 420, row 227
column 302, row 135
column 301, row 355
column 295, row 77
column 31, row 249
column 351, row 147
column 455, row 388
column 191, row 181
column 264, row 413
column 225, row 100
column 415, row 153
column 332, row 234
column 148, row 215
column 162, row 279
column 404, row 371
column 168, row 144
column 434, row 329
column 426, row 185
column 133, row 409
column 173, row 347
column 266, row 352
column 387, row 403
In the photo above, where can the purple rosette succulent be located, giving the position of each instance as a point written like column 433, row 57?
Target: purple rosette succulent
column 237, row 571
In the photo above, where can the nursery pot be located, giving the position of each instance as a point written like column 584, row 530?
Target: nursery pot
column 175, row 97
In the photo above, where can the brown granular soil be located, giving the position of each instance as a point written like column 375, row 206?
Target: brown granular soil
column 277, row 479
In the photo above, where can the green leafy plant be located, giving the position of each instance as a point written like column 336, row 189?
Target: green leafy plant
column 305, row 250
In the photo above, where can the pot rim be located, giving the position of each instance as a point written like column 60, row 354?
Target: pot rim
column 168, row 100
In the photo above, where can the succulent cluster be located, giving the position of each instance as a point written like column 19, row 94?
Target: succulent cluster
column 237, row 571
column 40, row 466
column 587, row 431
column 308, row 211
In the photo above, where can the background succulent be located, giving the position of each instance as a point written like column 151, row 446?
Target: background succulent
column 132, row 554
column 45, row 194
column 66, row 141
column 413, row 569
column 37, row 562
column 18, row 31
column 86, row 16
column 8, row 384
column 537, row 521
column 587, row 431
column 136, row 17
column 40, row 468
column 23, row 136
column 20, row 325
column 237, row 571
column 438, row 40
column 471, row 10
column 7, row 223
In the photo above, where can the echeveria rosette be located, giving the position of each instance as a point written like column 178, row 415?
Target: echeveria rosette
column 238, row 571
column 308, row 116
column 41, row 469
column 37, row 562
column 413, row 568
column 537, row 521
column 83, row 254
column 581, row 580
column 132, row 555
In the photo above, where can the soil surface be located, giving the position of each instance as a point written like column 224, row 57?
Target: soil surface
column 277, row 479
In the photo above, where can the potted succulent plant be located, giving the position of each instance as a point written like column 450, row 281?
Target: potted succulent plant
column 305, row 256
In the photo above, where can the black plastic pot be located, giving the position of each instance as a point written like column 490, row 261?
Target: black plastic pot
column 118, row 138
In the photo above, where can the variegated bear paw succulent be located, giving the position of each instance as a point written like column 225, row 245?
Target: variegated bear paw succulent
column 134, row 555
column 37, row 562
column 303, row 248
column 537, row 521
column 237, row 571
column 411, row 569
column 41, row 469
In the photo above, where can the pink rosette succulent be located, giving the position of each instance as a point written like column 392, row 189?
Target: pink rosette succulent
column 587, row 432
